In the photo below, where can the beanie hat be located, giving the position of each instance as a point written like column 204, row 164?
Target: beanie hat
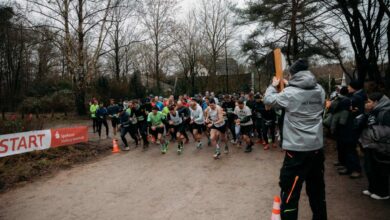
column 298, row 65
column 356, row 85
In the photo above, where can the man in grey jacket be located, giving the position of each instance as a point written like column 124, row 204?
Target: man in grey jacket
column 303, row 100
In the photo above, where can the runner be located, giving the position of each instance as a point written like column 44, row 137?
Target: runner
column 258, row 110
column 142, row 125
column 101, row 116
column 92, row 109
column 176, row 127
column 216, row 123
column 156, row 125
column 126, row 127
column 229, row 106
column 244, row 120
column 197, row 122
column 184, row 113
column 269, row 118
column 113, row 113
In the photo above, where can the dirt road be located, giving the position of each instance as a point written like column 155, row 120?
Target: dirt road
column 148, row 185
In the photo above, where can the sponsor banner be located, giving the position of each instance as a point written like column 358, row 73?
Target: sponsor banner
column 67, row 136
column 18, row 143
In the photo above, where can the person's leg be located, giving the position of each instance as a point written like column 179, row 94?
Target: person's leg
column 180, row 137
column 99, row 127
column 380, row 179
column 315, row 185
column 184, row 132
column 196, row 136
column 94, row 125
column 291, row 180
column 123, row 134
column 231, row 126
column 259, row 129
column 272, row 133
column 265, row 132
column 353, row 162
column 340, row 152
column 368, row 168
column 106, row 126
column 113, row 124
column 214, row 134
column 143, row 129
column 133, row 133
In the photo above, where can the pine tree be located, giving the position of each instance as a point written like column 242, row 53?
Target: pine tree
column 293, row 25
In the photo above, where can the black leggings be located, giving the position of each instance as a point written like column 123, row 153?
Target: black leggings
column 94, row 124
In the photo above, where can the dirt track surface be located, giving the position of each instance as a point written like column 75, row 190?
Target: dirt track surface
column 148, row 185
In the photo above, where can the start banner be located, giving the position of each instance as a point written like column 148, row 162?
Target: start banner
column 18, row 143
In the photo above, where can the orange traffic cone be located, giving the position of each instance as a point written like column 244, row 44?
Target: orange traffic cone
column 115, row 148
column 276, row 209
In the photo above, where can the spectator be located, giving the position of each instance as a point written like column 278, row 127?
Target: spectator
column 303, row 101
column 375, row 140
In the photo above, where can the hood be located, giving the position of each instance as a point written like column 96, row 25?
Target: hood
column 303, row 79
column 383, row 104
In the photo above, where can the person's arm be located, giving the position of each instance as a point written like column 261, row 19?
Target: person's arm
column 206, row 115
column 247, row 118
column 163, row 119
column 273, row 98
column 200, row 115
column 220, row 116
column 149, row 120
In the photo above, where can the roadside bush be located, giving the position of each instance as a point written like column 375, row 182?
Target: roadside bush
column 15, row 125
column 59, row 101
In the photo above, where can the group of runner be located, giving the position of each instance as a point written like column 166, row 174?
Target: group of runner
column 154, row 119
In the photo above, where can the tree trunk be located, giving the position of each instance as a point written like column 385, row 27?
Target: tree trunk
column 79, row 79
column 387, row 74
column 157, row 65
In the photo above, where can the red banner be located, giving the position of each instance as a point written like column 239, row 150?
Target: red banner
column 68, row 136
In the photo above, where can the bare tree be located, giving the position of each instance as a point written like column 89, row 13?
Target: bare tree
column 365, row 23
column 187, row 49
column 158, row 19
column 125, row 32
column 214, row 23
column 75, row 21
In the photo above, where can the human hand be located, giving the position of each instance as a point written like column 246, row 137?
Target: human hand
column 275, row 81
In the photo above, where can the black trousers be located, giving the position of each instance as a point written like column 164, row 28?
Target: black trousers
column 300, row 167
column 259, row 127
column 94, row 124
column 341, row 152
column 231, row 125
column 377, row 174
column 101, row 122
column 352, row 161
column 132, row 129
column 268, row 126
column 143, row 130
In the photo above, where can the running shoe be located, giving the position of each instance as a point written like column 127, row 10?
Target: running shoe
column 217, row 154
column 199, row 145
column 226, row 151
column 375, row 196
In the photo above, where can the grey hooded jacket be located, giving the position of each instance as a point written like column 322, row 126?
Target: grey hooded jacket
column 303, row 101
column 377, row 134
